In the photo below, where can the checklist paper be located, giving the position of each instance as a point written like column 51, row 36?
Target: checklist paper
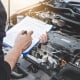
column 30, row 24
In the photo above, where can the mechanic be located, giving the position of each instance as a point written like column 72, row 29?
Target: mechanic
column 22, row 42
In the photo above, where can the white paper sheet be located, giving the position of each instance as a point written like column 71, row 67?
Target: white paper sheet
column 28, row 23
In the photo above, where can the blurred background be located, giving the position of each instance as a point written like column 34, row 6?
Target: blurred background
column 16, row 5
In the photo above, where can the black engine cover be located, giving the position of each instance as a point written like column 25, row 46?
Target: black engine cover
column 64, row 41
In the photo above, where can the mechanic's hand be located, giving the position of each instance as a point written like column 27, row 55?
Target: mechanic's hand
column 23, row 40
column 44, row 38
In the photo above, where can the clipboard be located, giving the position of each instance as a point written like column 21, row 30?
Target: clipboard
column 30, row 24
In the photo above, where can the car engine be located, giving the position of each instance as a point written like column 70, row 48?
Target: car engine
column 61, row 54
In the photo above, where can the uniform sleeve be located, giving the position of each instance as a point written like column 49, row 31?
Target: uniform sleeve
column 3, row 18
column 5, row 71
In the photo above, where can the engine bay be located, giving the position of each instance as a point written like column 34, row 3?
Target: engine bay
column 61, row 54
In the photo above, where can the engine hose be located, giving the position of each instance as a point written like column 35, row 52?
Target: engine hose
column 73, row 2
column 16, row 75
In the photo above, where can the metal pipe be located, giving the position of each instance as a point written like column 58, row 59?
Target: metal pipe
column 8, row 12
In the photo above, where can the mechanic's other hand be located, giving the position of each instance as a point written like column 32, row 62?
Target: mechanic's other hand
column 23, row 40
column 44, row 38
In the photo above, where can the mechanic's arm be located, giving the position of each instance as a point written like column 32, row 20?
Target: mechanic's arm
column 23, row 41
